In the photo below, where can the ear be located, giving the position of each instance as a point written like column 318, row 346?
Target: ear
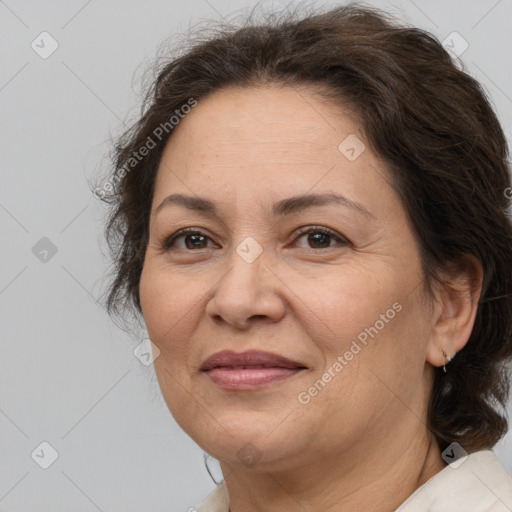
column 456, row 304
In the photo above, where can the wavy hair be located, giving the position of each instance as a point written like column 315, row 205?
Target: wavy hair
column 427, row 119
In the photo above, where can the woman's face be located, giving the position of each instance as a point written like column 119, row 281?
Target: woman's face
column 334, row 286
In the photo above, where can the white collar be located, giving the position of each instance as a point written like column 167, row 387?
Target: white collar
column 478, row 484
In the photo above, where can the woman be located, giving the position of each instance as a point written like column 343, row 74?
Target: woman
column 311, row 217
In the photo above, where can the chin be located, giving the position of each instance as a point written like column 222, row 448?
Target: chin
column 249, row 442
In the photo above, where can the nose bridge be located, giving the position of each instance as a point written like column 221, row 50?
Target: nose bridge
column 246, row 289
column 249, row 250
column 247, row 263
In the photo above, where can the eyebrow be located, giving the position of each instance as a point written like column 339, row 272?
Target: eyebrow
column 289, row 206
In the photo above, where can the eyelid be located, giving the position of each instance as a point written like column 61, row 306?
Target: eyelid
column 322, row 229
column 180, row 233
column 301, row 231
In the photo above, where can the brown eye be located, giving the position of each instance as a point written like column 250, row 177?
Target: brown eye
column 321, row 238
column 193, row 240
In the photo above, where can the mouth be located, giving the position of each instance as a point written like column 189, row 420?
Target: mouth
column 249, row 370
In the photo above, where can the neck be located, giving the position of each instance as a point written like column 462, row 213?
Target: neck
column 333, row 482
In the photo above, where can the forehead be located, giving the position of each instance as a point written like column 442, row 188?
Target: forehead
column 267, row 141
column 279, row 117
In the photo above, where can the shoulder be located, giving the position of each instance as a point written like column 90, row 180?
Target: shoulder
column 216, row 501
column 476, row 483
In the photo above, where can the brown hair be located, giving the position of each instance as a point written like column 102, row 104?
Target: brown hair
column 430, row 123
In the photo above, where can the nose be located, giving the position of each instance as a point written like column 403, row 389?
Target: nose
column 247, row 293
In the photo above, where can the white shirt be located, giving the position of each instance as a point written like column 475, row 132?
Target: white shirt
column 479, row 483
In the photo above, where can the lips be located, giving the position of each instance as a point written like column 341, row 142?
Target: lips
column 249, row 370
column 249, row 359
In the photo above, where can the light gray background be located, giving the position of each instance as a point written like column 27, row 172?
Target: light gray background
column 68, row 374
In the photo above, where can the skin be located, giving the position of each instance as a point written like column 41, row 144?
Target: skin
column 362, row 442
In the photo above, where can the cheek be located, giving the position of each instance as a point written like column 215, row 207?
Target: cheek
column 167, row 305
column 152, row 298
column 166, row 297
column 367, row 366
column 344, row 305
column 365, row 329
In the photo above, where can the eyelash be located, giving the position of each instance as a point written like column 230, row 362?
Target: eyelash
column 167, row 245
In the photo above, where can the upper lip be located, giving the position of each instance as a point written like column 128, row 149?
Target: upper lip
column 249, row 358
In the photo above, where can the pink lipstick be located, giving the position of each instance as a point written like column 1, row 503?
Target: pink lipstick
column 249, row 370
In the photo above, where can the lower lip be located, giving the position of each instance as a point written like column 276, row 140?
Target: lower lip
column 250, row 378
